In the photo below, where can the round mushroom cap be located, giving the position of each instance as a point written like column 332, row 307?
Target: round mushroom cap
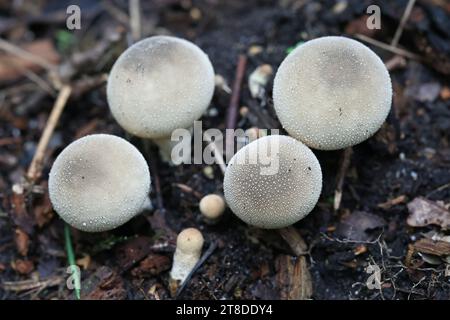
column 277, row 197
column 99, row 182
column 160, row 84
column 332, row 93
column 190, row 240
column 212, row 206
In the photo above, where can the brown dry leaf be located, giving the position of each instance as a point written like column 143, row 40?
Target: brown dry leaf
column 428, row 246
column 445, row 93
column 43, row 209
column 359, row 25
column 22, row 266
column 22, row 241
column 11, row 66
column 84, row 262
column 360, row 250
column 424, row 212
column 132, row 251
column 154, row 264
column 20, row 215
column 104, row 284
column 293, row 278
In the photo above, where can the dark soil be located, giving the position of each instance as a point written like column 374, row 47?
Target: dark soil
column 409, row 157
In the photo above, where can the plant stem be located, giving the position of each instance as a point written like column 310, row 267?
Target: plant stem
column 71, row 257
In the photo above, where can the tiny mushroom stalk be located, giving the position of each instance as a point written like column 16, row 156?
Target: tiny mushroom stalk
column 332, row 93
column 99, row 182
column 212, row 207
column 158, row 85
column 273, row 182
column 187, row 253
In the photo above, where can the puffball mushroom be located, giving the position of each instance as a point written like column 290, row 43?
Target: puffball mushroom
column 187, row 253
column 332, row 93
column 99, row 182
column 277, row 198
column 212, row 207
column 160, row 84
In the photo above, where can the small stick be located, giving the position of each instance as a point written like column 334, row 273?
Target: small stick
column 345, row 164
column 388, row 47
column 395, row 62
column 405, row 17
column 135, row 19
column 35, row 169
column 234, row 101
column 217, row 153
column 202, row 260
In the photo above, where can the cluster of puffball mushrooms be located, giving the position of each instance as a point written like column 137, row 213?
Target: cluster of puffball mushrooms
column 329, row 93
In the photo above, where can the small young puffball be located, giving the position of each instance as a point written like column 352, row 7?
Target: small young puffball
column 332, row 93
column 212, row 207
column 277, row 197
column 187, row 253
column 160, row 84
column 99, row 182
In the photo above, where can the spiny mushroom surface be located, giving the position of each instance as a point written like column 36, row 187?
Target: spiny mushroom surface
column 160, row 84
column 99, row 182
column 187, row 253
column 332, row 93
column 283, row 196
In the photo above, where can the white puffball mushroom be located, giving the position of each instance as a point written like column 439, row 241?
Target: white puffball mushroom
column 187, row 253
column 278, row 189
column 160, row 84
column 332, row 93
column 212, row 207
column 99, row 182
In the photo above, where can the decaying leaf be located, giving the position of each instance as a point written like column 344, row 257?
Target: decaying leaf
column 104, row 284
column 22, row 266
column 436, row 248
column 12, row 67
column 424, row 212
column 355, row 226
column 293, row 278
column 153, row 264
column 22, row 241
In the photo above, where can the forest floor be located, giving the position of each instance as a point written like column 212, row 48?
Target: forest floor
column 393, row 218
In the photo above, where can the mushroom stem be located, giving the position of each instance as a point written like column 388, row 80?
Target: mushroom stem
column 187, row 253
column 165, row 146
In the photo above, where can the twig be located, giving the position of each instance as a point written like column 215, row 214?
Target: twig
column 234, row 101
column 115, row 12
column 443, row 187
column 395, row 62
column 346, row 158
column 217, row 153
column 154, row 173
column 71, row 258
column 200, row 262
column 294, row 240
column 135, row 19
column 388, row 47
column 399, row 31
column 35, row 169
column 15, row 50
